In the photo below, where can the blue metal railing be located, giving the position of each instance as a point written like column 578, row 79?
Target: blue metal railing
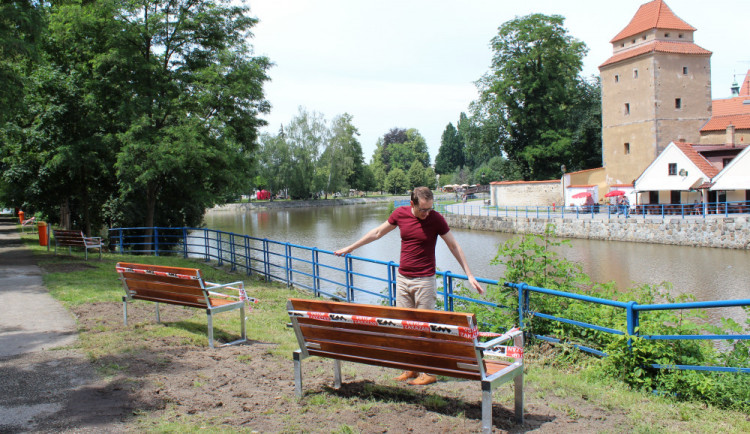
column 700, row 210
column 305, row 267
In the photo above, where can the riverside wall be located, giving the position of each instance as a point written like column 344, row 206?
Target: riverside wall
column 719, row 232
column 304, row 203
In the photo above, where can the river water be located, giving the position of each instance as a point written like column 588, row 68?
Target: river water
column 709, row 274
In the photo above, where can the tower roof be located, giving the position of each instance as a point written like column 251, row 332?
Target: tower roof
column 658, row 47
column 653, row 15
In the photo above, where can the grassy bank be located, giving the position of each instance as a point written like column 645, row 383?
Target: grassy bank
column 563, row 391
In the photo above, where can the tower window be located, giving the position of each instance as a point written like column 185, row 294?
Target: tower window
column 635, row 73
column 678, row 103
column 666, row 35
column 679, row 35
column 617, row 78
column 627, row 148
column 672, row 169
column 627, row 108
column 633, row 41
column 684, row 70
column 643, row 37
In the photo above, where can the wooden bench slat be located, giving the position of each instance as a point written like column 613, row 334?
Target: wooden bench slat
column 452, row 318
column 396, row 365
column 425, row 344
column 306, row 322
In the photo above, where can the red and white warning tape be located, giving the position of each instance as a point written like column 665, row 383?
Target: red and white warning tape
column 155, row 273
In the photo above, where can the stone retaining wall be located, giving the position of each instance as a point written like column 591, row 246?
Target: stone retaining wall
column 728, row 233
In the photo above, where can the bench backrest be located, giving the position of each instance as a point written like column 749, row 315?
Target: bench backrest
column 447, row 347
column 175, row 285
column 68, row 238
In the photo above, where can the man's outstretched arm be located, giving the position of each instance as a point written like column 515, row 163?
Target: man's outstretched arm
column 458, row 253
column 374, row 234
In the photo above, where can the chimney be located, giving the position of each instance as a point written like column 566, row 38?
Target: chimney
column 730, row 135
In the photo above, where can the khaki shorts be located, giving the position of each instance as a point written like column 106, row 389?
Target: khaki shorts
column 416, row 292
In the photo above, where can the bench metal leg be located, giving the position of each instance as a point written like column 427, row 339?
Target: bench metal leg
column 210, row 329
column 125, row 309
column 518, row 386
column 158, row 316
column 243, row 329
column 486, row 407
column 337, row 373
column 297, row 356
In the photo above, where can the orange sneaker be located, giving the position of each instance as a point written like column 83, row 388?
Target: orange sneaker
column 423, row 380
column 406, row 375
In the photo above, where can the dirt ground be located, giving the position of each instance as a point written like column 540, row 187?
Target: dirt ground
column 246, row 388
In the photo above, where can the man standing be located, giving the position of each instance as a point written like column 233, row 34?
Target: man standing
column 416, row 286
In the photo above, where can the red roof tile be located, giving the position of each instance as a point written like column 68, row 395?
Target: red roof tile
column 730, row 106
column 657, row 47
column 720, row 123
column 653, row 15
column 699, row 160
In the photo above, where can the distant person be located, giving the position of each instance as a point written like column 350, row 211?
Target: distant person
column 416, row 286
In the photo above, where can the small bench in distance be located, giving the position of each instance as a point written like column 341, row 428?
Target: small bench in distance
column 435, row 342
column 182, row 287
column 69, row 239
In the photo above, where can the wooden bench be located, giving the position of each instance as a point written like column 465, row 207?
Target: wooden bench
column 69, row 239
column 435, row 342
column 182, row 287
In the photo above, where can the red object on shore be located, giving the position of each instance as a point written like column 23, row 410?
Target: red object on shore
column 615, row 193
column 20, row 216
column 263, row 195
column 581, row 195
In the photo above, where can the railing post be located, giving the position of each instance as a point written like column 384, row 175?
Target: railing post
column 288, row 262
column 316, row 271
column 219, row 253
column 266, row 260
column 392, row 282
column 184, row 242
column 248, row 264
column 156, row 241
column 205, row 244
column 122, row 250
column 633, row 322
column 232, row 258
column 347, row 276
column 521, row 299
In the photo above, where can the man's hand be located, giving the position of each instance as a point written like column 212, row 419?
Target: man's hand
column 343, row 252
column 474, row 284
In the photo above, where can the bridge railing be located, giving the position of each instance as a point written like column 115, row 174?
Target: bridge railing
column 359, row 279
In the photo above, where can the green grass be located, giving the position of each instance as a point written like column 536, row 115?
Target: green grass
column 569, row 386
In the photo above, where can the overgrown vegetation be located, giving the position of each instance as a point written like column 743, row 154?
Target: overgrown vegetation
column 532, row 259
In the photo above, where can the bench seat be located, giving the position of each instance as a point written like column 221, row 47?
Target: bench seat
column 435, row 342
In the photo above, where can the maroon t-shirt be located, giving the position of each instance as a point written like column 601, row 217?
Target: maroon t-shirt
column 418, row 239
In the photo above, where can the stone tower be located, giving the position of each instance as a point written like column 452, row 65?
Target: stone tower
column 656, row 88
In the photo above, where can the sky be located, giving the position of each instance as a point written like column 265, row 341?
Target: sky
column 413, row 63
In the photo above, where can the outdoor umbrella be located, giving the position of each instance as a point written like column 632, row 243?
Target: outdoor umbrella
column 581, row 195
column 615, row 193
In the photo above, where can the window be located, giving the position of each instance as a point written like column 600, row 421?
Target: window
column 672, row 168
column 684, row 70
column 633, row 41
column 627, row 108
column 680, row 35
column 617, row 78
column 674, row 197
column 643, row 37
column 666, row 35
column 635, row 73
column 678, row 103
column 622, row 45
column 627, row 148
column 725, row 162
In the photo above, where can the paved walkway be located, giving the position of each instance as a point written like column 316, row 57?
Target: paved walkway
column 31, row 320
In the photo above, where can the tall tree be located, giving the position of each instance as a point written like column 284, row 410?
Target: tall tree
column 451, row 152
column 343, row 155
column 530, row 89
column 416, row 175
column 195, row 99
column 400, row 148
